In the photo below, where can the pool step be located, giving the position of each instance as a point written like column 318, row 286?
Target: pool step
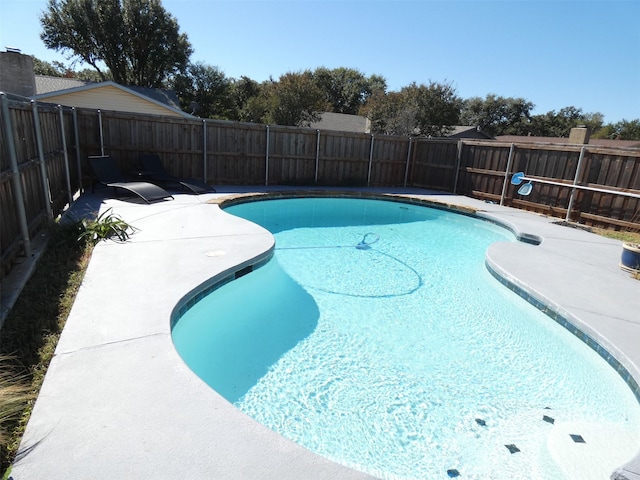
column 513, row 448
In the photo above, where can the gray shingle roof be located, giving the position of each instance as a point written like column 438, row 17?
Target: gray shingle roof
column 342, row 122
column 168, row 97
column 468, row 131
column 47, row 84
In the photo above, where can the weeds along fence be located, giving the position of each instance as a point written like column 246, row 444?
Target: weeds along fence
column 44, row 150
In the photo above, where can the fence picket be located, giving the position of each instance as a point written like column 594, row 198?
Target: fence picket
column 234, row 153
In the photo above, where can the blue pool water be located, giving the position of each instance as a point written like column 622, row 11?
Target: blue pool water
column 377, row 338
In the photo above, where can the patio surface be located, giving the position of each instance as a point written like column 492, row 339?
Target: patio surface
column 119, row 402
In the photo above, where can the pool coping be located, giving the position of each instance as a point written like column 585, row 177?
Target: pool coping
column 61, row 425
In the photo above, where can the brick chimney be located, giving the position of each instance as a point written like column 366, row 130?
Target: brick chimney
column 16, row 73
column 580, row 135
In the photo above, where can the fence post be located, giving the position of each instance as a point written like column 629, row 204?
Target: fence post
column 458, row 160
column 266, row 161
column 100, row 130
column 575, row 182
column 43, row 166
column 406, row 167
column 204, row 149
column 66, row 156
column 15, row 177
column 506, row 173
column 76, row 137
column 317, row 154
column 370, row 161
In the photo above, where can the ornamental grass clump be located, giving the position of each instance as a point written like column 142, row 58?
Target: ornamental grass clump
column 15, row 394
column 106, row 226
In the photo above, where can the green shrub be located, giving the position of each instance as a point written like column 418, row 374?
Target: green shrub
column 106, row 226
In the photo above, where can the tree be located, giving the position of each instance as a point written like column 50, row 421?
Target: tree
column 90, row 75
column 137, row 40
column 390, row 114
column 205, row 91
column 299, row 100
column 242, row 90
column 377, row 84
column 606, row 131
column 594, row 121
column 622, row 130
column 437, row 107
column 552, row 124
column 59, row 69
column 345, row 89
column 257, row 108
column 497, row 115
column 293, row 100
column 427, row 110
column 53, row 69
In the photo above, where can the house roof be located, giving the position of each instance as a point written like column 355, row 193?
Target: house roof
column 468, row 131
column 47, row 84
column 168, row 97
column 342, row 122
column 595, row 142
column 47, row 87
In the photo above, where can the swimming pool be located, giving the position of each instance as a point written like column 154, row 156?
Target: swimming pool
column 377, row 338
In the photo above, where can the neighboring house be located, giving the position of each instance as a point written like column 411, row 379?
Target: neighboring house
column 107, row 96
column 356, row 123
column 46, row 84
column 342, row 122
column 467, row 131
column 17, row 78
column 594, row 142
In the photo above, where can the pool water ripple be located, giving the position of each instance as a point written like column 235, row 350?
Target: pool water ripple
column 412, row 360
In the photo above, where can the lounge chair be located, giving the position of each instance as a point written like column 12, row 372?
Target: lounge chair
column 152, row 170
column 107, row 174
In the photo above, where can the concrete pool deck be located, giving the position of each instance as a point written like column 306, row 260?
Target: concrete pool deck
column 119, row 402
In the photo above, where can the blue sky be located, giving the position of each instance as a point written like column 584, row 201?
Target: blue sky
column 555, row 54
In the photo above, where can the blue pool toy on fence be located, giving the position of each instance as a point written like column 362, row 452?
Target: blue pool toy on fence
column 517, row 179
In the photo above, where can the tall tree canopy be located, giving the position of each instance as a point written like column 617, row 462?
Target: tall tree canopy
column 497, row 115
column 205, row 91
column 389, row 114
column 242, row 90
column 346, row 89
column 559, row 124
column 427, row 110
column 58, row 69
column 437, row 107
column 622, row 130
column 294, row 99
column 137, row 40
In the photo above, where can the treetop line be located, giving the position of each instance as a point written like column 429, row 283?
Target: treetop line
column 138, row 43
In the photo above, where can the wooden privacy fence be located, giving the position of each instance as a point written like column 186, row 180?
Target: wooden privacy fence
column 44, row 150
column 580, row 183
column 39, row 171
